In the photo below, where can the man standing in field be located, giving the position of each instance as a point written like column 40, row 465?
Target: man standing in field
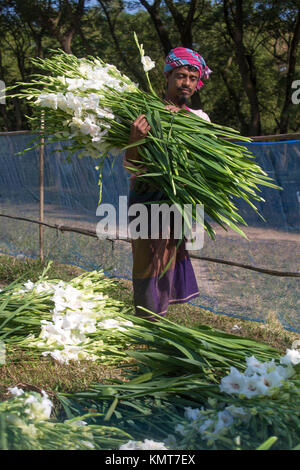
column 183, row 70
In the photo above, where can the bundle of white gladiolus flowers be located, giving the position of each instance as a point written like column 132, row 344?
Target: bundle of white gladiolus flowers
column 260, row 378
column 91, row 105
column 75, row 320
column 85, row 116
column 76, row 313
column 26, row 424
column 78, row 96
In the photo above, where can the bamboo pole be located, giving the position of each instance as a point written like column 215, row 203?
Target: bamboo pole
column 41, row 227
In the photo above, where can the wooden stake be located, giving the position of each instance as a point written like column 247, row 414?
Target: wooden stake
column 41, row 228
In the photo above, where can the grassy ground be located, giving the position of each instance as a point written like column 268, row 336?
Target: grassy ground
column 24, row 370
column 223, row 288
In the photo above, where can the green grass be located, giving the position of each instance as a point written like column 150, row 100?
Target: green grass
column 43, row 373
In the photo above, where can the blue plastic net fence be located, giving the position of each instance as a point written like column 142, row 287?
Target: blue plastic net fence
column 71, row 198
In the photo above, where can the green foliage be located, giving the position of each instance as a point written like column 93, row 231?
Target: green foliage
column 267, row 31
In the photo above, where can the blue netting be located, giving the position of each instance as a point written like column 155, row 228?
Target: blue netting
column 71, row 198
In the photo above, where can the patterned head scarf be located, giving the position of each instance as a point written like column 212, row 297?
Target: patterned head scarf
column 181, row 56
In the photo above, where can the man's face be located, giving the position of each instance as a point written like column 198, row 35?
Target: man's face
column 182, row 84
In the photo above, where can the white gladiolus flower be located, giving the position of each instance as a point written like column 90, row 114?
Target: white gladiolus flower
column 181, row 429
column 234, row 382
column 74, row 83
column 28, row 429
column 148, row 64
column 254, row 366
column 47, row 100
column 29, row 285
column 192, row 414
column 62, row 79
column 14, row 419
column 86, row 85
column 62, row 102
column 273, row 379
column 254, row 386
column 285, row 371
column 292, row 356
column 78, row 422
column 88, row 444
column 16, row 391
column 89, row 127
column 108, row 324
column 208, row 423
column 225, row 419
column 130, row 445
column 112, row 323
column 84, row 69
column 39, row 408
column 146, row 445
column 105, row 113
column 81, row 123
column 70, row 353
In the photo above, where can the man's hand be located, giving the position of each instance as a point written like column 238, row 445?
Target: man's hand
column 172, row 108
column 139, row 129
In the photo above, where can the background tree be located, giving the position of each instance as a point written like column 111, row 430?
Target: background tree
column 251, row 46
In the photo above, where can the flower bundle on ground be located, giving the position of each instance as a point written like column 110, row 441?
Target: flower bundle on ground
column 91, row 105
column 193, row 397
column 68, row 321
column 26, row 424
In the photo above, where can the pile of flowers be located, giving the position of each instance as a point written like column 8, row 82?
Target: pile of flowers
column 26, row 424
column 214, row 392
column 86, row 117
column 244, row 421
column 260, row 378
column 74, row 320
column 75, row 315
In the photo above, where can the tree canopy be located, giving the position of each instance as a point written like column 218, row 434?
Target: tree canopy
column 251, row 46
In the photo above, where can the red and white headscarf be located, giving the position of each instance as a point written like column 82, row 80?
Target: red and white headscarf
column 181, row 56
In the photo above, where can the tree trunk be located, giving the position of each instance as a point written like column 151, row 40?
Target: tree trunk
column 153, row 11
column 3, row 111
column 184, row 25
column 244, row 60
column 284, row 117
column 139, row 77
column 236, row 102
column 248, row 74
column 66, row 40
column 18, row 115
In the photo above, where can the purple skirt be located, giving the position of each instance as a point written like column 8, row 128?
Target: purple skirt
column 150, row 258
